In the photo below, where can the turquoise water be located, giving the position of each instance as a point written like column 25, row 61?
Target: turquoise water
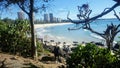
column 62, row 34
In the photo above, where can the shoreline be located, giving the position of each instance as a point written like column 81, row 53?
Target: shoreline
column 55, row 38
column 48, row 37
column 61, row 39
column 49, row 25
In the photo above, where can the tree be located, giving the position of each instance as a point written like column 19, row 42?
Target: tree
column 85, row 20
column 29, row 7
column 91, row 56
column 14, row 37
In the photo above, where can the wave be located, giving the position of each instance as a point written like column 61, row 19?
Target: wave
column 56, row 37
column 85, row 30
column 96, row 36
column 46, row 34
column 114, row 42
column 42, row 30
column 59, row 37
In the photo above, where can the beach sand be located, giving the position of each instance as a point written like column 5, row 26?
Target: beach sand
column 47, row 37
column 49, row 25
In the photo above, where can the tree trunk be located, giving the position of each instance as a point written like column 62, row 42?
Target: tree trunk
column 109, row 44
column 33, row 39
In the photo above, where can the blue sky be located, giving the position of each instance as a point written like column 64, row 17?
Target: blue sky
column 60, row 8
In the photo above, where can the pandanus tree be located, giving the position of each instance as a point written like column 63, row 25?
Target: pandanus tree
column 29, row 7
column 84, row 19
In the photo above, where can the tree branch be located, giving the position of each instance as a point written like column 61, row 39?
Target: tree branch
column 94, row 18
column 118, row 26
column 71, row 19
column 23, row 8
column 116, row 15
column 100, row 34
column 117, row 29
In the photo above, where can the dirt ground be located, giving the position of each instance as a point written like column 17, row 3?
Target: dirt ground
column 13, row 61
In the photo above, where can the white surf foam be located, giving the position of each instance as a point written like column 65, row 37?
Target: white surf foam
column 85, row 30
column 96, row 36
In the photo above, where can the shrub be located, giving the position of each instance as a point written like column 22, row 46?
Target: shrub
column 15, row 38
column 91, row 56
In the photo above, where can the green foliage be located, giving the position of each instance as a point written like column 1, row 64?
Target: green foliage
column 92, row 56
column 15, row 38
column 39, row 46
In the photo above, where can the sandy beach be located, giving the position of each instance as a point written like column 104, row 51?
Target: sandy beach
column 49, row 37
column 49, row 25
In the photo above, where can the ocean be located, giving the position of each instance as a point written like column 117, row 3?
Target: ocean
column 60, row 33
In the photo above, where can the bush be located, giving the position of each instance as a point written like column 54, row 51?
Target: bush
column 91, row 56
column 15, row 38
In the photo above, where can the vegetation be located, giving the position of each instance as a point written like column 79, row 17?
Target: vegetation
column 85, row 22
column 29, row 7
column 15, row 38
column 91, row 56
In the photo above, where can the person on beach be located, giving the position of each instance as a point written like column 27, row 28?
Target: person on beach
column 56, row 52
column 64, row 48
column 68, row 50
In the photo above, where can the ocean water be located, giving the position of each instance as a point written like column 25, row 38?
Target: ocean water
column 62, row 34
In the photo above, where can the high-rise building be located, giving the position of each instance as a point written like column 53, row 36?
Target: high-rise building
column 58, row 20
column 55, row 19
column 21, row 15
column 51, row 17
column 46, row 18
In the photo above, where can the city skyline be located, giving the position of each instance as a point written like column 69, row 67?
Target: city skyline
column 49, row 17
column 60, row 8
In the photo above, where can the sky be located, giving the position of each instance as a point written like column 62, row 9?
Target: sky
column 60, row 9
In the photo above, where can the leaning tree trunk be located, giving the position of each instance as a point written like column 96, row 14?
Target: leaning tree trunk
column 33, row 39
column 109, row 43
